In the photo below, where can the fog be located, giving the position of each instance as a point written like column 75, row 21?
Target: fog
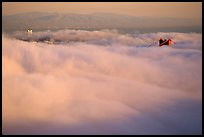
column 101, row 82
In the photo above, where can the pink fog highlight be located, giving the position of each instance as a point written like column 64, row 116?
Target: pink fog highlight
column 90, row 88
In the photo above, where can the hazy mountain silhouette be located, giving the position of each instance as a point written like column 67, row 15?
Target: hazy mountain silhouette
column 40, row 20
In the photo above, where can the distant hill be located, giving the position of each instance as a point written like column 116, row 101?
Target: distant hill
column 40, row 21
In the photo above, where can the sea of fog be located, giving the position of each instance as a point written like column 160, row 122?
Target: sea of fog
column 101, row 82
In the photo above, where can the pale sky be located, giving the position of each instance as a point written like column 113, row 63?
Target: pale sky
column 152, row 9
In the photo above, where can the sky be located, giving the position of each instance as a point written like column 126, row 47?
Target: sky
column 152, row 9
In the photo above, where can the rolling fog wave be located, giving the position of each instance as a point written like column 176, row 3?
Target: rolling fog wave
column 81, row 87
column 112, row 37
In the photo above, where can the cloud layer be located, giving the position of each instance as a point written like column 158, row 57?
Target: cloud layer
column 112, row 37
column 122, row 87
